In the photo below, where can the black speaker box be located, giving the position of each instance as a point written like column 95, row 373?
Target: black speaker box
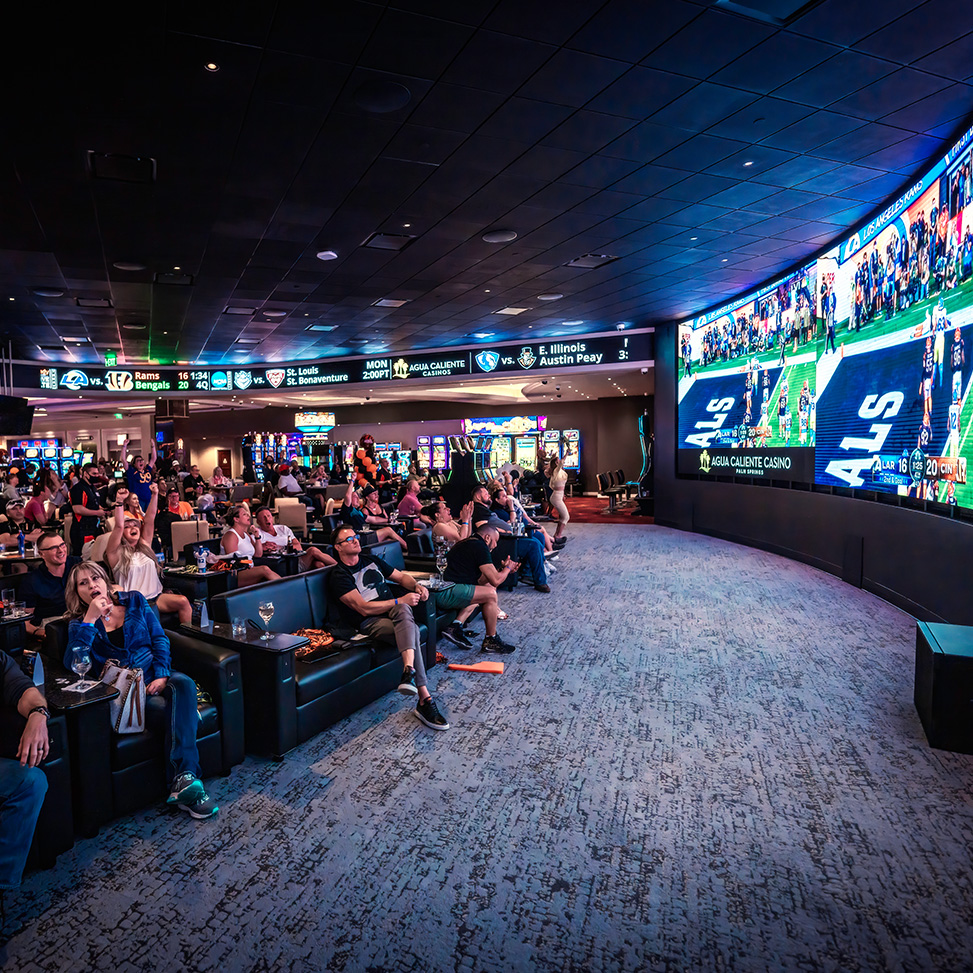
column 944, row 685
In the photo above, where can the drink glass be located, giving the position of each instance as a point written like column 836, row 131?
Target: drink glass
column 266, row 610
column 81, row 663
column 240, row 628
column 8, row 600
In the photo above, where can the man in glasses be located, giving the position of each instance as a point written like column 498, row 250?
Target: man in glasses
column 43, row 588
column 358, row 583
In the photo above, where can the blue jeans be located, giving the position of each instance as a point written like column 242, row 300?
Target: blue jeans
column 175, row 706
column 530, row 553
column 22, row 791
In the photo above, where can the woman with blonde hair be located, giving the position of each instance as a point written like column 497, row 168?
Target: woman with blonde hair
column 121, row 625
column 558, row 479
column 130, row 556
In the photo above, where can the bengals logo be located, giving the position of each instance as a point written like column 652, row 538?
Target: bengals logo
column 119, row 382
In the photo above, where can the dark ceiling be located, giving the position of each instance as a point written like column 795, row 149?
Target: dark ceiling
column 706, row 147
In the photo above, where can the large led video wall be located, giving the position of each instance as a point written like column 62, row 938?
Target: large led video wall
column 855, row 370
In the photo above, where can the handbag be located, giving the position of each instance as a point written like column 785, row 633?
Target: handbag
column 128, row 707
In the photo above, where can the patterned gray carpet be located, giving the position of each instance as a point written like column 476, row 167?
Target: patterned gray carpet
column 702, row 757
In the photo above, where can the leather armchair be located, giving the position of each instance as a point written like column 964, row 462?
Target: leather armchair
column 54, row 833
column 131, row 767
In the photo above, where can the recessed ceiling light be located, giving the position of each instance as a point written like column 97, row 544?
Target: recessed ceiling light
column 134, row 327
column 405, row 226
column 388, row 302
column 128, row 265
column 512, row 310
column 482, row 334
column 73, row 338
column 747, row 164
column 724, row 260
column 694, row 238
column 322, row 327
column 48, row 292
column 212, row 67
column 275, row 314
column 549, row 297
column 499, row 236
column 230, row 309
column 326, row 255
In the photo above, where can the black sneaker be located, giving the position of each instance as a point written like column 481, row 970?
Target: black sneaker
column 428, row 713
column 407, row 684
column 185, row 789
column 457, row 636
column 544, row 588
column 493, row 643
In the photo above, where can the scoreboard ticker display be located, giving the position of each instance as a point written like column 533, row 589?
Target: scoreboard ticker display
column 855, row 371
column 521, row 359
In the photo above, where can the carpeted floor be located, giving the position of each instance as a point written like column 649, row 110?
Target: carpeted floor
column 701, row 757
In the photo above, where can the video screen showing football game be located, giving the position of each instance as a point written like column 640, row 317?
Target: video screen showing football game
column 855, row 371
column 894, row 411
column 747, row 386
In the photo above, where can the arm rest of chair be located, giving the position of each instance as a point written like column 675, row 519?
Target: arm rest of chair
column 216, row 670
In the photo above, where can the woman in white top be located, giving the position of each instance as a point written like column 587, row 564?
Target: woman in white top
column 244, row 539
column 129, row 554
column 558, row 480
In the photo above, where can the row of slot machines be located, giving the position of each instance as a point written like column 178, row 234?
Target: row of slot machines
column 49, row 452
column 492, row 453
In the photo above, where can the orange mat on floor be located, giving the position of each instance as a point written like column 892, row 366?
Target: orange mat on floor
column 494, row 667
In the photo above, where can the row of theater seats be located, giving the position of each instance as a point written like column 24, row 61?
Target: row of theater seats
column 255, row 697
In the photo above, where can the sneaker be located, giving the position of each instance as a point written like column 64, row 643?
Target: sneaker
column 407, row 684
column 493, row 643
column 457, row 636
column 428, row 713
column 185, row 789
column 545, row 588
column 201, row 808
column 560, row 541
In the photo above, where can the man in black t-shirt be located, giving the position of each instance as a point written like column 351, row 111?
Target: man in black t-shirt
column 533, row 549
column 86, row 508
column 470, row 566
column 358, row 583
column 193, row 485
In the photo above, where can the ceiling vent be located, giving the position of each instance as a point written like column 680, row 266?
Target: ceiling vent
column 591, row 260
column 121, row 168
column 321, row 327
column 90, row 302
column 388, row 241
column 388, row 302
column 179, row 280
column 232, row 309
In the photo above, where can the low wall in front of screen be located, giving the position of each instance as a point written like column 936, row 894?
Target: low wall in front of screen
column 918, row 561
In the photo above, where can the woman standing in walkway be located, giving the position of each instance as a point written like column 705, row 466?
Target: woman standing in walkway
column 558, row 480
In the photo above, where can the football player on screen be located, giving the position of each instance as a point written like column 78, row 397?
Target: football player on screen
column 957, row 359
column 925, row 385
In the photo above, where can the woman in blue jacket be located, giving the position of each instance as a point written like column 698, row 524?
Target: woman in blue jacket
column 122, row 626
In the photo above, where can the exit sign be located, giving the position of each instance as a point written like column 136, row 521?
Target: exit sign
column 111, row 359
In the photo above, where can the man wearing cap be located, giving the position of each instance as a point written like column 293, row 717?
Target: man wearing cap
column 139, row 474
column 15, row 524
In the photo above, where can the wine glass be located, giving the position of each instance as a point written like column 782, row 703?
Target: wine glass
column 266, row 610
column 441, row 562
column 81, row 663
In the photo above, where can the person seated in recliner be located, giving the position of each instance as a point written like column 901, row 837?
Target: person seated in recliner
column 358, row 583
column 120, row 625
column 22, row 782
column 276, row 537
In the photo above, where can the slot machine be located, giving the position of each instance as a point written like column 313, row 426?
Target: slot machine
column 525, row 452
column 502, row 451
column 440, row 455
column 384, row 451
column 552, row 443
column 403, row 460
column 65, row 460
column 571, row 449
column 424, row 452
